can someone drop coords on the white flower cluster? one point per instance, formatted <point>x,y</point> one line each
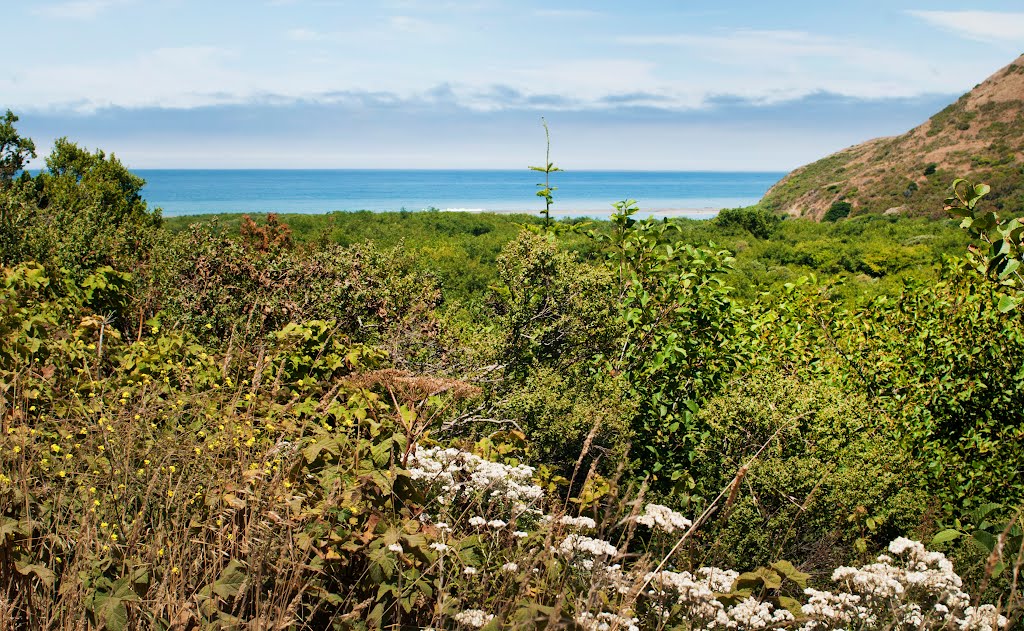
<point>755,614</point>
<point>695,596</point>
<point>918,590</point>
<point>718,579</point>
<point>461,474</point>
<point>842,608</point>
<point>605,621</point>
<point>663,518</point>
<point>910,588</point>
<point>583,523</point>
<point>585,550</point>
<point>983,618</point>
<point>474,618</point>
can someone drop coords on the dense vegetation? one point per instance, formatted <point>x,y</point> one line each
<point>457,421</point>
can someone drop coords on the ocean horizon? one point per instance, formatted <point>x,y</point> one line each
<point>698,194</point>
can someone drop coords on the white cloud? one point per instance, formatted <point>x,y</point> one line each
<point>165,77</point>
<point>406,25</point>
<point>304,35</point>
<point>779,65</point>
<point>566,13</point>
<point>78,9</point>
<point>986,26</point>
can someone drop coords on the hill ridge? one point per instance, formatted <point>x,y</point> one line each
<point>980,136</point>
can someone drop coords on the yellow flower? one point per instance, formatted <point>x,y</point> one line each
<point>170,493</point>
<point>55,448</point>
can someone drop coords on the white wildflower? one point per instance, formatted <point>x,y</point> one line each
<point>440,547</point>
<point>477,521</point>
<point>664,518</point>
<point>577,522</point>
<point>984,618</point>
<point>473,618</point>
<point>460,474</point>
<point>469,570</point>
<point>396,547</point>
<point>496,524</point>
<point>511,566</point>
<point>605,621</point>
<point>754,614</point>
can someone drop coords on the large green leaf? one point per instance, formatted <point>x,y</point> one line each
<point>946,535</point>
<point>230,580</point>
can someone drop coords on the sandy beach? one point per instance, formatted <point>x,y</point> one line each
<point>657,213</point>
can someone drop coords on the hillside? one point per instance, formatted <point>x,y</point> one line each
<point>980,137</point>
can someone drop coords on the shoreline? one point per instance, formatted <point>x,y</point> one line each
<point>706,212</point>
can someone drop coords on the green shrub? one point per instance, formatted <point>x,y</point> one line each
<point>825,478</point>
<point>760,222</point>
<point>837,211</point>
<point>91,212</point>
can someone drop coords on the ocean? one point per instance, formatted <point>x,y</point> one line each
<point>579,193</point>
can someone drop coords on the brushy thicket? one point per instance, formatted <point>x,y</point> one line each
<point>216,429</point>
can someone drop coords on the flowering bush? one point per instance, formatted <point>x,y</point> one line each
<point>604,588</point>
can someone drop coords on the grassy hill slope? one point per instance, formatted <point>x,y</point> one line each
<point>980,137</point>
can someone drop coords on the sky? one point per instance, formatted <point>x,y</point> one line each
<point>642,85</point>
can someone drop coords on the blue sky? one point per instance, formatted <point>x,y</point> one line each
<point>684,85</point>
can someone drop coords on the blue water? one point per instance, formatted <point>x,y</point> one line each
<point>579,193</point>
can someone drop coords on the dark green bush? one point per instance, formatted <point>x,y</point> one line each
<point>830,478</point>
<point>760,222</point>
<point>837,211</point>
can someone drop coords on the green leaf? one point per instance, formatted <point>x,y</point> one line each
<point>230,580</point>
<point>760,576</point>
<point>986,539</point>
<point>112,612</point>
<point>792,605</point>
<point>786,569</point>
<point>1008,304</point>
<point>1009,268</point>
<point>41,572</point>
<point>946,535</point>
